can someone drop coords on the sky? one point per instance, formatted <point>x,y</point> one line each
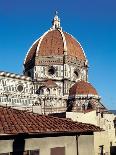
<point>91,22</point>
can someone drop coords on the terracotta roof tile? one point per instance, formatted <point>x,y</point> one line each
<point>13,121</point>
<point>32,51</point>
<point>50,83</point>
<point>52,44</point>
<point>82,88</point>
<point>73,47</point>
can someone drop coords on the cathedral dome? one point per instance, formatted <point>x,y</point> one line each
<point>82,88</point>
<point>55,42</point>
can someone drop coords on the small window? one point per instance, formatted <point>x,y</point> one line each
<point>83,107</point>
<point>34,152</point>
<point>58,151</point>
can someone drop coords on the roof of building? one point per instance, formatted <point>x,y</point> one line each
<point>82,88</point>
<point>14,75</point>
<point>55,42</point>
<point>50,83</point>
<point>13,122</point>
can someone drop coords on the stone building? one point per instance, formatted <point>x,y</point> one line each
<point>54,64</point>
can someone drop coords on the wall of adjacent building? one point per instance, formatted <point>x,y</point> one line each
<point>89,117</point>
<point>45,144</point>
<point>105,121</point>
<point>86,145</point>
<point>101,138</point>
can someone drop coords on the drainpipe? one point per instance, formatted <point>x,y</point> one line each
<point>77,144</point>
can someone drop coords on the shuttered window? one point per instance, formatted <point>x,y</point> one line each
<point>58,151</point>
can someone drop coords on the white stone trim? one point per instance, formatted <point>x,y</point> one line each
<point>64,40</point>
<point>85,96</point>
<point>17,76</point>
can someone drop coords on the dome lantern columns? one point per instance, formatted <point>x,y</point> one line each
<point>56,21</point>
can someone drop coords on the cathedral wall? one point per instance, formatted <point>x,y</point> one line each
<point>42,72</point>
<point>16,91</point>
<point>30,73</point>
<point>52,105</point>
<point>66,73</point>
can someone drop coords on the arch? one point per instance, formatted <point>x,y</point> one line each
<point>83,107</point>
<point>40,91</point>
<point>48,91</point>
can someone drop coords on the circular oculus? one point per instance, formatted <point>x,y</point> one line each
<point>51,70</point>
<point>20,88</point>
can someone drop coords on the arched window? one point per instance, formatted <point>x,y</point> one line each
<point>83,107</point>
<point>41,92</point>
<point>48,91</point>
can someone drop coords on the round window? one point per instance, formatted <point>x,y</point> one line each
<point>20,88</point>
<point>51,70</point>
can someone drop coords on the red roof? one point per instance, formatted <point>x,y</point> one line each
<point>52,44</point>
<point>50,84</point>
<point>31,52</point>
<point>14,121</point>
<point>82,88</point>
<point>73,47</point>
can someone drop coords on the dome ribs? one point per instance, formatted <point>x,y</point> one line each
<point>73,47</point>
<point>54,43</point>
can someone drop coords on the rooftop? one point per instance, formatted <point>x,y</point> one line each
<point>82,88</point>
<point>55,42</point>
<point>13,122</point>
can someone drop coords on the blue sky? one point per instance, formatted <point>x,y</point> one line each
<point>92,22</point>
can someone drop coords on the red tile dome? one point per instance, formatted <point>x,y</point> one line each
<point>55,42</point>
<point>82,88</point>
